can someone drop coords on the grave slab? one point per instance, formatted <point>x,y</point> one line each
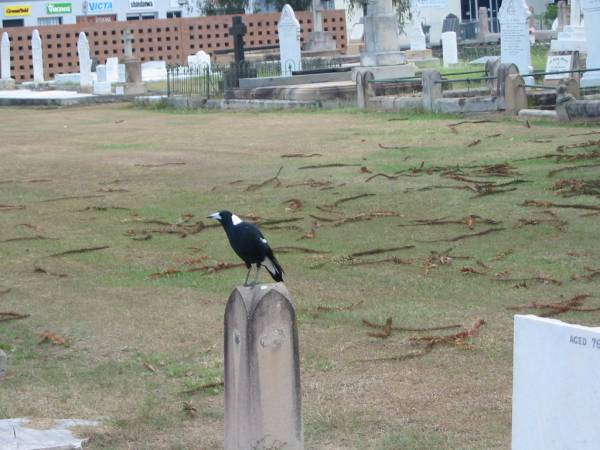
<point>26,434</point>
<point>556,388</point>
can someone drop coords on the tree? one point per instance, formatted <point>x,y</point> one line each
<point>219,7</point>
<point>297,5</point>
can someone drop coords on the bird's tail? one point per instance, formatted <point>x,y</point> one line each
<point>273,266</point>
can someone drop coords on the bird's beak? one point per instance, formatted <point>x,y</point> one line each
<point>215,216</point>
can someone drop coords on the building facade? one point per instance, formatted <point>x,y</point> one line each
<point>34,13</point>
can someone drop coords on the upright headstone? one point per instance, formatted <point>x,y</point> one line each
<point>571,37</point>
<point>238,30</point>
<point>122,74</point>
<point>262,370</point>
<point>449,48</point>
<point>101,85</point>
<point>514,35</point>
<point>591,14</point>
<point>37,57</point>
<point>288,30</point>
<point>85,63</point>
<point>556,387</point>
<point>6,82</point>
<point>112,69</point>
<point>451,23</point>
<point>415,30</point>
<point>319,42</point>
<point>200,60</point>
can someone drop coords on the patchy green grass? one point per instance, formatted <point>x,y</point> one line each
<point>142,344</point>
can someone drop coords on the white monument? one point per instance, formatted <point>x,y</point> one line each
<point>102,86</point>
<point>449,48</point>
<point>86,81</point>
<point>591,14</point>
<point>38,57</point>
<point>199,60</point>
<point>572,37</point>
<point>415,30</point>
<point>6,82</point>
<point>112,69</point>
<point>556,387</point>
<point>514,35</point>
<point>288,30</point>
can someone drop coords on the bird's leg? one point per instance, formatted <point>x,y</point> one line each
<point>248,275</point>
<point>256,277</point>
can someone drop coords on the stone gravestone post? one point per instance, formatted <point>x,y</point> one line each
<point>262,370</point>
<point>449,48</point>
<point>575,17</point>
<point>112,69</point>
<point>561,15</point>
<point>591,14</point>
<point>85,63</point>
<point>288,30</point>
<point>3,364</point>
<point>37,57</point>
<point>6,82</point>
<point>556,388</point>
<point>133,68</point>
<point>415,30</point>
<point>514,35</point>
<point>484,24</point>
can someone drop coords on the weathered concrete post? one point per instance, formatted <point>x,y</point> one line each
<point>3,364</point>
<point>430,89</point>
<point>262,370</point>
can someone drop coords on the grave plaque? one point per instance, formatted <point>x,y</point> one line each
<point>556,387</point>
<point>559,63</point>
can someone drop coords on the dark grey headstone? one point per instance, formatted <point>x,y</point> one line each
<point>451,23</point>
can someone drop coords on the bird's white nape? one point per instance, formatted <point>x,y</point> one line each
<point>215,216</point>
<point>263,240</point>
<point>235,219</point>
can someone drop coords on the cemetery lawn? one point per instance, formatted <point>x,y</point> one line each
<point>134,338</point>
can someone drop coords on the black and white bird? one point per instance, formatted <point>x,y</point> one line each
<point>249,244</point>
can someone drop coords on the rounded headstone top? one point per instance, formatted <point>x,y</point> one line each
<point>288,17</point>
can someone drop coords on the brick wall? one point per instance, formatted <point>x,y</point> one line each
<point>170,40</point>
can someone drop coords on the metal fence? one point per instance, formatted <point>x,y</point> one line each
<point>213,81</point>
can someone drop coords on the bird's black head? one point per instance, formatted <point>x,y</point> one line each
<point>226,218</point>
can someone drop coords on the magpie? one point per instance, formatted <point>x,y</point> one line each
<point>249,244</point>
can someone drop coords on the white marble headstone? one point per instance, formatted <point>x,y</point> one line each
<point>514,35</point>
<point>85,62</point>
<point>575,13</point>
<point>591,14</point>
<point>449,48</point>
<point>154,71</point>
<point>101,72</point>
<point>289,42</point>
<point>112,69</point>
<point>199,60</point>
<point>122,74</point>
<point>5,57</point>
<point>415,29</point>
<point>556,385</point>
<point>37,57</point>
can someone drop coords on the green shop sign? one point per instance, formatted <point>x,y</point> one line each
<point>59,8</point>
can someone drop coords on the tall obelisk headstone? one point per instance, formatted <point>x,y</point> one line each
<point>37,56</point>
<point>591,14</point>
<point>262,370</point>
<point>6,82</point>
<point>86,81</point>
<point>288,30</point>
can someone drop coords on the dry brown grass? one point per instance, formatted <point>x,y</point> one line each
<point>120,322</point>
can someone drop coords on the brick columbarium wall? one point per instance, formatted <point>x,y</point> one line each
<point>170,40</point>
